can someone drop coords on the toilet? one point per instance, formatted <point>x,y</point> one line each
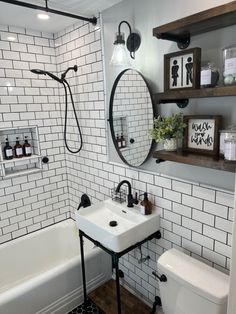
<point>192,287</point>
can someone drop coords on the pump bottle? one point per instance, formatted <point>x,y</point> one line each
<point>18,149</point>
<point>8,151</point>
<point>27,149</point>
<point>145,205</point>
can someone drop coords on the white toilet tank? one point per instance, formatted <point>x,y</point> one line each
<point>192,287</point>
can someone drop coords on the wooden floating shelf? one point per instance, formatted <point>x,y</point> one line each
<point>180,31</point>
<point>196,160</point>
<point>175,95</point>
<point>202,22</point>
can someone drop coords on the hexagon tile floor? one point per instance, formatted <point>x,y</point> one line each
<point>91,309</point>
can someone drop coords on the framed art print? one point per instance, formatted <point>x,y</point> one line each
<point>202,134</point>
<point>182,69</point>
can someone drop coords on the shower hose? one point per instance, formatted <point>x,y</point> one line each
<point>65,83</point>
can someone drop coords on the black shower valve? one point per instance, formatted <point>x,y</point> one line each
<point>158,235</point>
<point>45,159</point>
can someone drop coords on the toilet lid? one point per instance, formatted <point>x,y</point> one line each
<point>201,278</point>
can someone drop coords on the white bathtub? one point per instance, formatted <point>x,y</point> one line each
<point>41,272</point>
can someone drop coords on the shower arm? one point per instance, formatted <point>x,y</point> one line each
<point>63,75</point>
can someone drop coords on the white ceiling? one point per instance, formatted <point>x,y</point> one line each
<point>24,17</point>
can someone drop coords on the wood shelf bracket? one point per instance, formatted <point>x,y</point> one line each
<point>181,103</point>
<point>182,41</point>
<point>181,30</point>
<point>159,160</point>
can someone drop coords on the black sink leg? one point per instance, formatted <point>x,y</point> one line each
<point>116,266</point>
<point>156,303</point>
<point>83,269</point>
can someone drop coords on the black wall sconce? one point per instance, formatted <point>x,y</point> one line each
<point>120,56</point>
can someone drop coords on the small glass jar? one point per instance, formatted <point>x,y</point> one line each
<point>230,149</point>
<point>229,70</point>
<point>226,135</point>
<point>209,75</point>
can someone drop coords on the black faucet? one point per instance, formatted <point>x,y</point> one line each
<point>131,200</point>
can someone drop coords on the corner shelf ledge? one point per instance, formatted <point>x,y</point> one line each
<point>19,173</point>
<point>20,160</point>
<point>196,160</point>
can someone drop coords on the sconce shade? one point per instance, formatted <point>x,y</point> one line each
<point>120,56</point>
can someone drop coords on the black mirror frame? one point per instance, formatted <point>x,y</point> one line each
<point>110,120</point>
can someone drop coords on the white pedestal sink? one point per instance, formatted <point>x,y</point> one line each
<point>132,226</point>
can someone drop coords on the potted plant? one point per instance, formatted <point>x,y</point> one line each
<point>167,130</point>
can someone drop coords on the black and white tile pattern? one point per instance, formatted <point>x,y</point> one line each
<point>91,309</point>
<point>195,218</point>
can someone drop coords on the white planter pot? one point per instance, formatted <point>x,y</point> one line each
<point>170,144</point>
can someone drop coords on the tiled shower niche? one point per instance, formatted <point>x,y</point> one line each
<point>121,128</point>
<point>24,165</point>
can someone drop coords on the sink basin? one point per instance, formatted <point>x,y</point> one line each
<point>130,226</point>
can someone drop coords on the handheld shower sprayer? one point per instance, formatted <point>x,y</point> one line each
<point>65,84</point>
<point>39,72</point>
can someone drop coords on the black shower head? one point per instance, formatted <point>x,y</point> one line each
<point>39,72</point>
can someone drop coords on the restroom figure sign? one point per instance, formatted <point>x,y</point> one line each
<point>189,71</point>
<point>174,72</point>
<point>182,69</point>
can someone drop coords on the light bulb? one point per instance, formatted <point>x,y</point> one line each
<point>43,16</point>
<point>120,56</point>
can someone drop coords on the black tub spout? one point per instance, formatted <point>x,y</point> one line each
<point>85,201</point>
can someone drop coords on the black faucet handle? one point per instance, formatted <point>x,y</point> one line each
<point>136,201</point>
<point>130,200</point>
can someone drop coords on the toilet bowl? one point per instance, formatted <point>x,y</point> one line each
<point>192,287</point>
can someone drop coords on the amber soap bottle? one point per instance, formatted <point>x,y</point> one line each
<point>145,205</point>
<point>8,151</point>
<point>27,149</point>
<point>118,140</point>
<point>123,142</point>
<point>18,149</point>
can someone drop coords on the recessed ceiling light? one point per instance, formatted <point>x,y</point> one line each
<point>43,16</point>
<point>11,38</point>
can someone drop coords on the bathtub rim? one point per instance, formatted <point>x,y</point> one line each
<point>41,230</point>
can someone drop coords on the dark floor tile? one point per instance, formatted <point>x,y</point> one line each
<point>91,309</point>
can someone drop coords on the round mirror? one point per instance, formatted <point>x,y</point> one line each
<point>130,117</point>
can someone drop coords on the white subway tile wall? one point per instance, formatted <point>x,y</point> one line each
<point>34,201</point>
<point>194,218</point>
<point>185,207</point>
